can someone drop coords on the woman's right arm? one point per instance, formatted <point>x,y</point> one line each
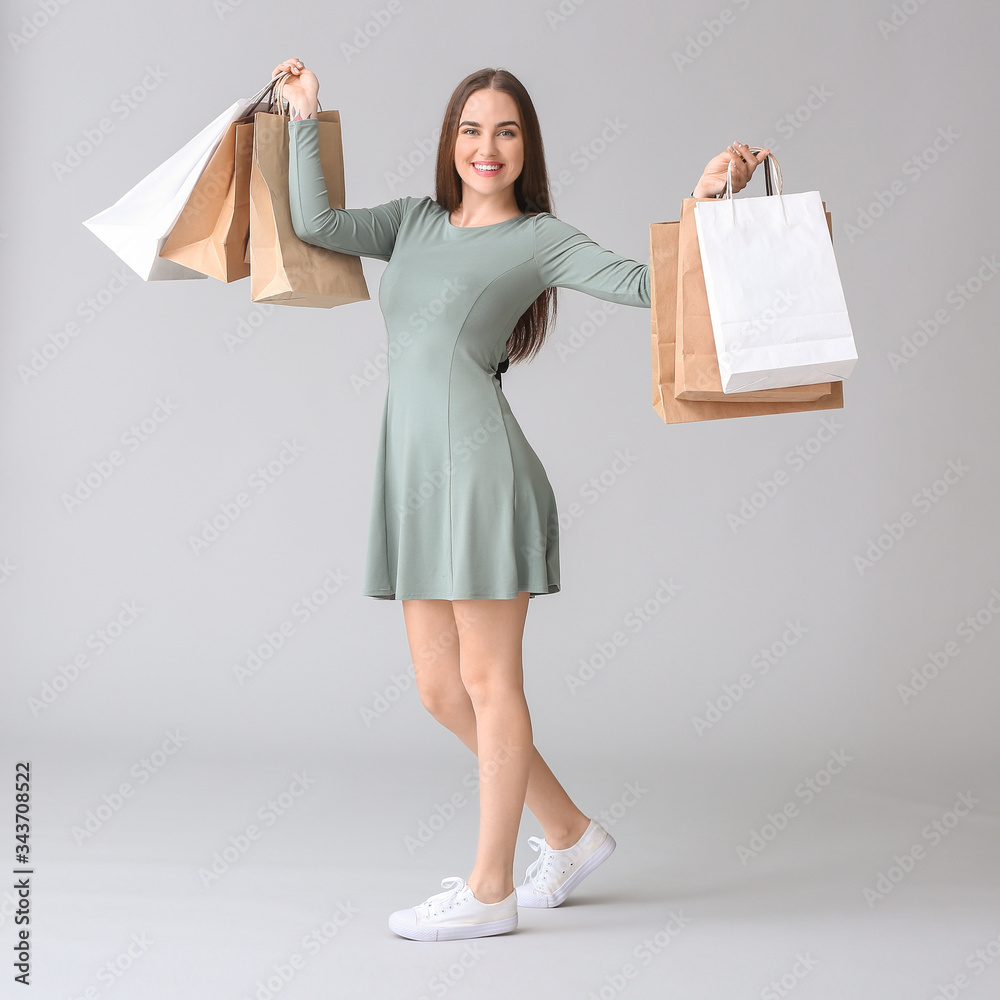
<point>364,232</point>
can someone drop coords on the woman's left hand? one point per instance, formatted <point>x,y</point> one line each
<point>713,180</point>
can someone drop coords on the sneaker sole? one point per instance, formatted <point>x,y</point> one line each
<point>559,896</point>
<point>453,933</point>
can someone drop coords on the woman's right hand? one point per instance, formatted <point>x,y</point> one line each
<point>300,88</point>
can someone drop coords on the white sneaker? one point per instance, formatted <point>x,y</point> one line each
<point>553,875</point>
<point>455,913</point>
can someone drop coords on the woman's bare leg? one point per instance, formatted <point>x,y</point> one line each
<point>489,636</point>
<point>433,636</point>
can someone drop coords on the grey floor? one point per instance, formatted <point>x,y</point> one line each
<point>301,911</point>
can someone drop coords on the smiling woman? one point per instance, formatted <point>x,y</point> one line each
<point>464,527</point>
<point>462,508</point>
<point>492,153</point>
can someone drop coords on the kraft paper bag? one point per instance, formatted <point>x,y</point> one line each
<point>663,255</point>
<point>774,292</point>
<point>284,269</point>
<point>137,225</point>
<point>213,230</point>
<point>696,364</point>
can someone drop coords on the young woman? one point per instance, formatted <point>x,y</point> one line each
<point>464,529</point>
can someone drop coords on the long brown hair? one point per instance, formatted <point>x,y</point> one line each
<point>531,190</point>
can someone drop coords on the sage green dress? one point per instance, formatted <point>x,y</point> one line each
<point>461,506</point>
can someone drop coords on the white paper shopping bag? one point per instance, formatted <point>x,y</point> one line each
<point>137,224</point>
<point>774,293</point>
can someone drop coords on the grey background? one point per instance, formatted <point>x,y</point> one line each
<point>680,802</point>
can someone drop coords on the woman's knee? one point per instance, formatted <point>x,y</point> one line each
<point>485,686</point>
<point>433,641</point>
<point>445,699</point>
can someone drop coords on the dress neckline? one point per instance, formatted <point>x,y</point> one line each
<point>489,225</point>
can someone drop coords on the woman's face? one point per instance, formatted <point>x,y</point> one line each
<point>489,132</point>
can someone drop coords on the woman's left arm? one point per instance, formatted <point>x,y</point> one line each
<point>566,257</point>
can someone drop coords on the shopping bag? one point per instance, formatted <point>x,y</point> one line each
<point>212,231</point>
<point>663,247</point>
<point>136,226</point>
<point>774,293</point>
<point>696,364</point>
<point>284,269</point>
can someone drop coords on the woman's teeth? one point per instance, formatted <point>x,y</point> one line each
<point>483,169</point>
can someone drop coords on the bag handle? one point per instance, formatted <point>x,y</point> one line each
<point>280,98</point>
<point>272,101</point>
<point>261,97</point>
<point>772,177</point>
<point>772,174</point>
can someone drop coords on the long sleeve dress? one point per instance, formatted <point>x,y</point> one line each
<point>461,506</point>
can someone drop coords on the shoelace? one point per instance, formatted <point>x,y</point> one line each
<point>442,901</point>
<point>538,867</point>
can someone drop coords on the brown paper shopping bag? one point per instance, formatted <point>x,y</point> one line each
<point>663,255</point>
<point>696,364</point>
<point>211,233</point>
<point>284,269</point>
